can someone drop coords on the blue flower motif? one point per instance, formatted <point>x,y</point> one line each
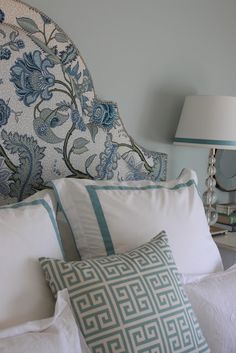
<point>54,122</point>
<point>42,129</point>
<point>4,178</point>
<point>78,120</point>
<point>31,77</point>
<point>68,55</point>
<point>20,44</point>
<point>5,112</point>
<point>104,115</point>
<point>136,170</point>
<point>74,71</point>
<point>108,160</point>
<point>2,16</point>
<point>88,79</point>
<point>5,53</point>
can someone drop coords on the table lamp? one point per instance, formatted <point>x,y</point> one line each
<point>208,121</point>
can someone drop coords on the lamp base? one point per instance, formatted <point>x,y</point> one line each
<point>209,196</point>
<point>211,215</point>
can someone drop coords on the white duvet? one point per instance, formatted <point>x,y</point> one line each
<point>214,301</point>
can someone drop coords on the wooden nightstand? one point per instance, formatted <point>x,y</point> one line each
<point>227,247</point>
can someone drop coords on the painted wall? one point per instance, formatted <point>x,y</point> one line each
<point>148,54</point>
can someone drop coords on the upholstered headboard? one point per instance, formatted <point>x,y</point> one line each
<point>52,124</point>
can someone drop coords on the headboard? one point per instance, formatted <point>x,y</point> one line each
<point>52,124</point>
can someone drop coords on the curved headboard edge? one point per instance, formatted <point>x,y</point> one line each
<point>52,124</point>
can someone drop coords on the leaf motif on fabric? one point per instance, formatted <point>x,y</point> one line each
<point>85,86</point>
<point>51,55</point>
<point>79,145</point>
<point>108,159</point>
<point>14,46</point>
<point>48,120</point>
<point>136,169</point>
<point>27,24</point>
<point>61,37</point>
<point>93,129</point>
<point>68,55</point>
<point>28,175</point>
<point>90,160</point>
<point>80,150</point>
<point>59,150</point>
<point>63,106</point>
<point>5,175</point>
<point>3,33</point>
<point>13,35</point>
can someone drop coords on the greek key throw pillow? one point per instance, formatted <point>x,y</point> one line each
<point>130,303</point>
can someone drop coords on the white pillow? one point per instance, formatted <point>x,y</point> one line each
<point>108,217</point>
<point>214,303</point>
<point>28,230</point>
<point>68,242</point>
<point>58,334</point>
<point>47,195</point>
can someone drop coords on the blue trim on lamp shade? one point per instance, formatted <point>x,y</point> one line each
<point>205,141</point>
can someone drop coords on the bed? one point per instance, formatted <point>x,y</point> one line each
<point>98,251</point>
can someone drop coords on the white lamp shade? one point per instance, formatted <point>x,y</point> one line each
<point>208,121</point>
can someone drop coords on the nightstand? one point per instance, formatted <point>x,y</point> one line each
<point>227,247</point>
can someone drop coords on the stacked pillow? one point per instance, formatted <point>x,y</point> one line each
<point>28,230</point>
<point>129,302</point>
<point>132,302</point>
<point>109,217</point>
<point>68,243</point>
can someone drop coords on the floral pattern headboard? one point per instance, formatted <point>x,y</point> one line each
<point>52,124</point>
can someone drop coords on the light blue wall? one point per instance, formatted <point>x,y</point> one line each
<point>148,54</point>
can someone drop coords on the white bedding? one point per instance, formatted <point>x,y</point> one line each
<point>58,334</point>
<point>28,230</point>
<point>212,298</point>
<point>108,217</point>
<point>214,301</point>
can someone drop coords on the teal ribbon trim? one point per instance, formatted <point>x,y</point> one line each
<point>68,222</point>
<point>104,230</point>
<point>205,141</point>
<point>101,219</point>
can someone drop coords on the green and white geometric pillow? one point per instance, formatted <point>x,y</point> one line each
<point>130,303</point>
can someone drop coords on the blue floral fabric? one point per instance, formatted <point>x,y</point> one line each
<point>4,178</point>
<point>2,16</point>
<point>104,115</point>
<point>51,122</point>
<point>31,77</point>
<point>5,112</point>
